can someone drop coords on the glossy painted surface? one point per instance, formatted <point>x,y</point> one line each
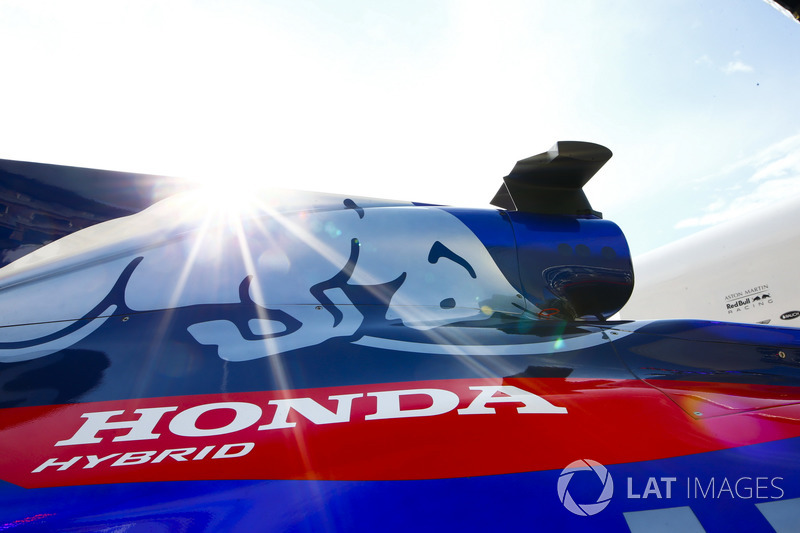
<point>756,252</point>
<point>362,366</point>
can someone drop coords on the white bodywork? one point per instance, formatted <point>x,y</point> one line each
<point>744,270</point>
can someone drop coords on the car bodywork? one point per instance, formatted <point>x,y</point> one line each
<point>299,361</point>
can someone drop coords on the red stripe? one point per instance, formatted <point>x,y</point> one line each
<point>612,421</point>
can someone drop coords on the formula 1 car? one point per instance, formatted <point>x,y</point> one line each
<point>295,361</point>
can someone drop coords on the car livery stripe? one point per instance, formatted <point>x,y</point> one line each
<point>394,431</point>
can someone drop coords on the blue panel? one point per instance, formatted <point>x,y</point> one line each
<point>493,228</point>
<point>693,350</point>
<point>580,266</point>
<point>705,483</point>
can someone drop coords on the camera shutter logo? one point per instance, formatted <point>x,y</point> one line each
<point>585,509</point>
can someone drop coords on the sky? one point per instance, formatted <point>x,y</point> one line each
<point>431,101</point>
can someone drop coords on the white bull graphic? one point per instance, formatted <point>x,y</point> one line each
<point>303,276</point>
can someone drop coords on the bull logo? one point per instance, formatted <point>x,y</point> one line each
<point>267,284</point>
